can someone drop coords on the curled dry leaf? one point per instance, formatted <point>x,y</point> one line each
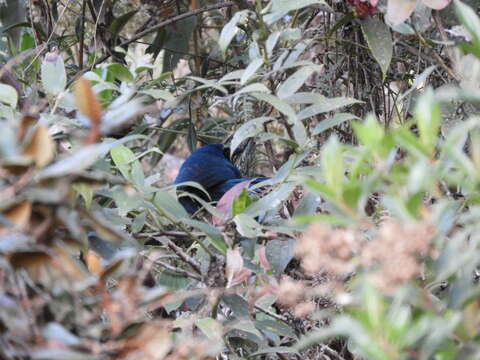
<point>27,259</point>
<point>41,147</point>
<point>89,106</point>
<point>262,258</point>
<point>94,262</point>
<point>234,270</point>
<point>26,122</point>
<point>19,215</point>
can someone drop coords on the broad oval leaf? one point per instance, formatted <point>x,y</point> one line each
<point>8,95</point>
<point>296,80</point>
<point>230,29</point>
<point>120,72</point>
<point>251,70</point>
<point>379,41</point>
<point>336,120</point>
<point>270,201</point>
<point>248,130</point>
<point>82,159</point>
<point>279,254</point>
<point>326,106</point>
<point>289,5</point>
<point>53,74</point>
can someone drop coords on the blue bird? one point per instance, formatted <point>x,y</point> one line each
<point>210,167</point>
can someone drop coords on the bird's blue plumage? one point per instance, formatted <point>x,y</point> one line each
<point>210,167</point>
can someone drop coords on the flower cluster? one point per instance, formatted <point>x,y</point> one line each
<point>363,8</point>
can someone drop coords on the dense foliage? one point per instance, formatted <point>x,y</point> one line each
<point>363,113</point>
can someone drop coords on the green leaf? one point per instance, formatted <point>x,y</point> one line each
<point>8,95</point>
<point>241,202</point>
<point>247,226</point>
<point>167,204</point>
<point>237,304</point>
<point>158,94</point>
<point>270,201</point>
<point>86,192</point>
<point>370,133</point>
<point>249,129</point>
<point>333,166</point>
<point>214,235</point>
<point>325,106</point>
<point>255,87</point>
<point>379,40</point>
<point>276,349</point>
<point>82,159</point>
<point>321,188</point>
<point>119,23</point>
<point>275,327</point>
<point>247,326</point>
<point>251,69</point>
<point>279,254</point>
<point>210,327</point>
<point>289,5</point>
<point>429,117</point>
<point>298,128</point>
<point>123,157</point>
<point>295,81</point>
<point>231,29</point>
<point>173,280</point>
<point>120,72</point>
<point>27,41</point>
<point>53,74</point>
<point>469,19</point>
<point>277,103</point>
<point>419,80</point>
<point>335,120</point>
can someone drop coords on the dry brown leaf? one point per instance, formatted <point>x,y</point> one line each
<point>153,341</point>
<point>89,106</point>
<point>65,262</point>
<point>94,262</point>
<point>19,215</point>
<point>26,259</point>
<point>41,147</point>
<point>26,122</point>
<point>234,270</point>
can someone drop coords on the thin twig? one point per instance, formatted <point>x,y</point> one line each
<point>185,257</point>
<point>82,35</point>
<point>436,56</point>
<point>272,314</point>
<point>178,271</point>
<point>165,233</point>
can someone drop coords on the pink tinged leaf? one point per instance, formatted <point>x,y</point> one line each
<point>224,205</point>
<point>436,4</point>
<point>262,258</point>
<point>399,10</point>
<point>241,276</point>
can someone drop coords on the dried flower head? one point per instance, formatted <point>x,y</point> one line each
<point>396,252</point>
<point>324,249</point>
<point>289,291</point>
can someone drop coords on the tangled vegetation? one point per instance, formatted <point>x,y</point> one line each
<point>365,115</point>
